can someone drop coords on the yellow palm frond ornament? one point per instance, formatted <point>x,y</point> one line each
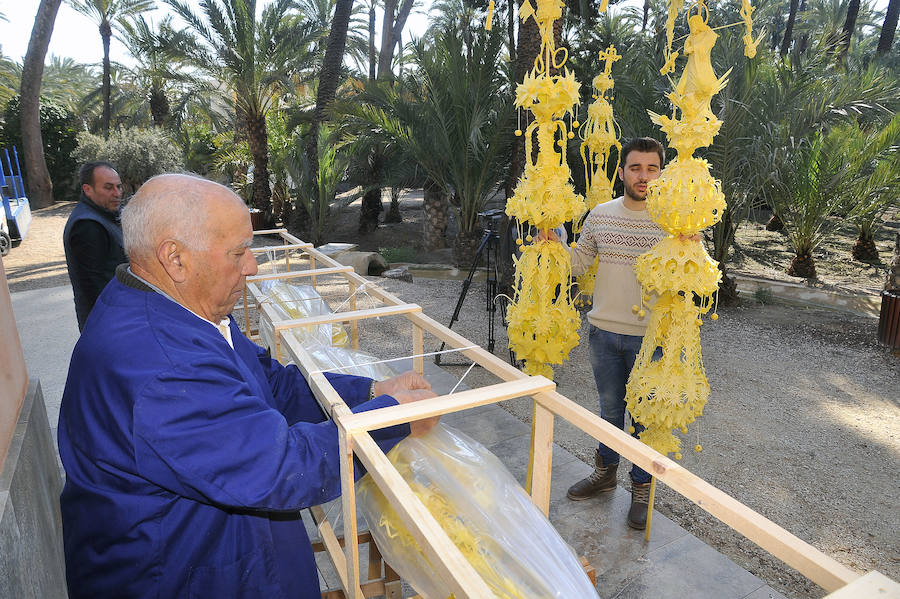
<point>543,322</point>
<point>599,135</point>
<point>670,392</point>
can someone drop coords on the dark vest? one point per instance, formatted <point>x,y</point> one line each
<point>87,210</point>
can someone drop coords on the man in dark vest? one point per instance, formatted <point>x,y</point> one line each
<point>93,236</point>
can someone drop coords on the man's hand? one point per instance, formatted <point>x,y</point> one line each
<point>417,428</point>
<point>695,237</point>
<point>407,388</point>
<point>407,381</point>
<point>548,235</point>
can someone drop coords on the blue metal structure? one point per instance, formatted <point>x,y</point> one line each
<point>16,217</point>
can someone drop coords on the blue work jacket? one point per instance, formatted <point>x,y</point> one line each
<point>187,461</point>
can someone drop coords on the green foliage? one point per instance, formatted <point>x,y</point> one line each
<point>315,191</point>
<point>873,163</point>
<point>400,254</point>
<point>807,182</point>
<point>452,116</point>
<point>137,154</point>
<point>58,133</point>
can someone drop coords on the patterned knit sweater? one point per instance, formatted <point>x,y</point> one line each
<point>618,236</point>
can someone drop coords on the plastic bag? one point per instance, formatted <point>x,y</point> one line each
<point>348,361</point>
<point>299,301</point>
<point>484,511</point>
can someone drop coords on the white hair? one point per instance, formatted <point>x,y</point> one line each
<point>166,210</point>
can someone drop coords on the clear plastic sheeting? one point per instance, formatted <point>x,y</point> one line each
<point>299,301</point>
<point>347,361</point>
<point>484,511</point>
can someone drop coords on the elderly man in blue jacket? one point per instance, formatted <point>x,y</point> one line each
<point>188,451</point>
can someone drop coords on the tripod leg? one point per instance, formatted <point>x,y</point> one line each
<point>465,289</point>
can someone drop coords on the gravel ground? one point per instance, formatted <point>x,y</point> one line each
<point>803,423</point>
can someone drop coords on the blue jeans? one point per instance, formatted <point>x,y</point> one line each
<point>612,358</point>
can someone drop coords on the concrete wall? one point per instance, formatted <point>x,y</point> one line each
<point>31,553</point>
<point>13,377</point>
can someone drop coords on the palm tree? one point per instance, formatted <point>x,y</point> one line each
<point>37,176</point>
<point>452,114</point>
<point>254,59</point>
<point>105,13</point>
<point>889,27</point>
<point>873,184</point>
<point>157,52</point>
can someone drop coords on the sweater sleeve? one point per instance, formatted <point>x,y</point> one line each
<point>200,432</point>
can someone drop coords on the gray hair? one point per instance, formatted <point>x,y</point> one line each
<point>165,211</point>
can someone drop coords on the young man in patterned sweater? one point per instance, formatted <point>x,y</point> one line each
<point>618,232</point>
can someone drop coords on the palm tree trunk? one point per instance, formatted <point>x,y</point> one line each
<point>258,139</point>
<point>511,29</point>
<point>372,60</point>
<point>646,15</point>
<point>889,28</point>
<point>159,106</point>
<point>435,219</point>
<point>849,27</point>
<point>371,202</point>
<point>37,177</point>
<point>789,28</point>
<point>328,78</point>
<point>106,34</point>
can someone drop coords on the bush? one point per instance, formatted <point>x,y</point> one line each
<point>137,154</point>
<point>58,133</point>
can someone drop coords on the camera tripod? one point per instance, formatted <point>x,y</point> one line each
<point>489,249</point>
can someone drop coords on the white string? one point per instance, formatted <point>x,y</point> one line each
<point>459,382</point>
<point>357,290</point>
<point>425,355</point>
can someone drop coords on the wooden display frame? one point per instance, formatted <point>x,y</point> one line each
<point>354,438</point>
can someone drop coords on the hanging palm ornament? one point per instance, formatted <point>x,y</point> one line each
<point>599,134</point>
<point>543,322</point>
<point>670,392</point>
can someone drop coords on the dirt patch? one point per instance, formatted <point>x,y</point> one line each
<point>803,424</point>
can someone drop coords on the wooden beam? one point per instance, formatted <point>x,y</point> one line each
<point>348,505</point>
<point>815,565</point>
<point>292,246</point>
<point>873,585</point>
<point>541,459</point>
<point>444,404</point>
<point>271,232</point>
<point>463,581</point>
<point>296,274</point>
<point>346,316</point>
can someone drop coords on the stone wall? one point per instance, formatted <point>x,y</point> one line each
<point>31,553</point>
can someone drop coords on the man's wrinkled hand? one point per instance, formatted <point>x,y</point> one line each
<point>417,428</point>
<point>407,381</point>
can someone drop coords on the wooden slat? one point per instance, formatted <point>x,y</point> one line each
<point>873,585</point>
<point>439,550</point>
<point>346,316</point>
<point>348,504</point>
<point>271,232</point>
<point>815,565</point>
<point>292,246</point>
<point>542,462</point>
<point>444,404</point>
<point>296,274</point>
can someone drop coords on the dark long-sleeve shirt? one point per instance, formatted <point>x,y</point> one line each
<point>93,243</point>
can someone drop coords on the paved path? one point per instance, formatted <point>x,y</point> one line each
<point>674,564</point>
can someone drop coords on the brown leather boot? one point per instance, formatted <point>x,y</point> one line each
<point>640,501</point>
<point>602,479</point>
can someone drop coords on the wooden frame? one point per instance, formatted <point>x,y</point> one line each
<point>353,430</point>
